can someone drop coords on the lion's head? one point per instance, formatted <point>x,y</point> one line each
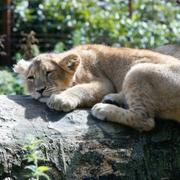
<point>48,73</point>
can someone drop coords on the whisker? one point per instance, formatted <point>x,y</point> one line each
<point>50,90</point>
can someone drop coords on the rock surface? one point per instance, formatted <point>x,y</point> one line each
<point>80,147</point>
<point>169,49</point>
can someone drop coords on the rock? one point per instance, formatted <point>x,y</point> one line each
<point>78,146</point>
<point>169,49</point>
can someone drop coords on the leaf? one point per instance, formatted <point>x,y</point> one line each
<point>42,168</point>
<point>44,175</point>
<point>31,167</point>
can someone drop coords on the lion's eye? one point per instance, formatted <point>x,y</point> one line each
<point>30,77</point>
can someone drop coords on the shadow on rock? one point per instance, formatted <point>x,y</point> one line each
<point>34,109</point>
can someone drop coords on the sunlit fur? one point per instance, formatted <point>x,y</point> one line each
<point>147,82</point>
<point>46,72</point>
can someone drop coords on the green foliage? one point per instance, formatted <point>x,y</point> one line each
<point>10,84</point>
<point>33,156</point>
<point>77,22</point>
<point>59,25</point>
<point>59,47</point>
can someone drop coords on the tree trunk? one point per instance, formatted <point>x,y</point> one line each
<point>78,146</point>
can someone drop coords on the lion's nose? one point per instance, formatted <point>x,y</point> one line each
<point>40,91</point>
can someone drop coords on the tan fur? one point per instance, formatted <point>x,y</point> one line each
<point>146,81</point>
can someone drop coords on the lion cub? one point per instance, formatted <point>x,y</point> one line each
<point>146,83</point>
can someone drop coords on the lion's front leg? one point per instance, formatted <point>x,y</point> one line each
<point>63,102</point>
<point>82,95</point>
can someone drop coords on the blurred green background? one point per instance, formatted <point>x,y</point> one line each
<point>57,25</point>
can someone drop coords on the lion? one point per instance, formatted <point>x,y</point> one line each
<point>122,85</point>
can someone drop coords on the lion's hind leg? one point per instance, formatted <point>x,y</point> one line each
<point>139,95</point>
<point>135,119</point>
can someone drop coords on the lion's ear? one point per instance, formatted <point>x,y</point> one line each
<point>70,62</point>
<point>21,67</point>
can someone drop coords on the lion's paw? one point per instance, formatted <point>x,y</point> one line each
<point>117,99</point>
<point>110,98</point>
<point>100,111</point>
<point>61,102</point>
